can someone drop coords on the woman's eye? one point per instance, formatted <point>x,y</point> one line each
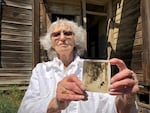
<point>56,34</point>
<point>68,33</point>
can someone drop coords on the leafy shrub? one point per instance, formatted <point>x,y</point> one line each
<point>10,100</point>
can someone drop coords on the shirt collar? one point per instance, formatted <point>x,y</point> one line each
<point>56,62</point>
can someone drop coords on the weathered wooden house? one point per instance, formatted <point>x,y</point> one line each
<point>115,28</point>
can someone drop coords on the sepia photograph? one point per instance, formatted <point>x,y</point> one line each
<point>49,49</point>
<point>96,75</point>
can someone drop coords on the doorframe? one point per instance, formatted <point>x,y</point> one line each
<point>35,32</point>
<point>145,9</point>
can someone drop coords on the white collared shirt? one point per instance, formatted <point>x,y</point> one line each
<point>43,84</point>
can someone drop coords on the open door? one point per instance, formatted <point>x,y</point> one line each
<point>97,39</point>
<point>96,31</point>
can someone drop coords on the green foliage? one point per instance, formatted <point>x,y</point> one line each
<point>10,100</point>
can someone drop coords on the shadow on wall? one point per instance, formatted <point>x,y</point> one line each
<point>1,13</point>
<point>127,29</point>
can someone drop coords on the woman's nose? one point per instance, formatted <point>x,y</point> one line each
<point>62,36</point>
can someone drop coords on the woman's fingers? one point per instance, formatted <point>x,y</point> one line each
<point>73,84</point>
<point>122,84</point>
<point>125,81</point>
<point>70,88</point>
<point>126,73</point>
<point>119,63</point>
<point>75,79</point>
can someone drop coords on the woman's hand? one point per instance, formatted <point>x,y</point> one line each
<point>125,81</point>
<point>69,89</point>
<point>124,84</point>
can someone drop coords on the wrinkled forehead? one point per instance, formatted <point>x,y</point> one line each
<point>61,27</point>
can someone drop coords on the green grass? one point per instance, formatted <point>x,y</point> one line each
<point>10,100</point>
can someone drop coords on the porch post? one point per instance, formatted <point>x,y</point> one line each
<point>36,32</point>
<point>145,13</point>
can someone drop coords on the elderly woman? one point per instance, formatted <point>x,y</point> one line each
<point>56,86</point>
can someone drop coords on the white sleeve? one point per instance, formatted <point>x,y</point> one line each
<point>32,101</point>
<point>111,104</point>
<point>108,103</point>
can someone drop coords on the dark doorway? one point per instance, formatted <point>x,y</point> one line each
<point>96,37</point>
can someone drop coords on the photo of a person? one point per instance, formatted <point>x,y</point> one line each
<point>96,75</point>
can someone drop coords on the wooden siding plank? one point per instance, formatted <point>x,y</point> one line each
<point>17,10</point>
<point>69,2</point>
<point>96,13</point>
<point>21,1</point>
<point>16,21</point>
<point>15,65</point>
<point>12,71</point>
<point>137,49</point>
<point>16,32</point>
<point>17,48</point>
<point>16,26</point>
<point>19,54</point>
<point>127,4</point>
<point>127,27</point>
<point>96,2</point>
<point>64,9</point>
<point>17,13</point>
<point>27,4</point>
<point>15,60</point>
<point>16,38</point>
<point>138,41</point>
<point>5,88</point>
<point>13,81</point>
<point>16,44</point>
<point>126,19</point>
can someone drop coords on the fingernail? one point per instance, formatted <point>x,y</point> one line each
<point>82,87</point>
<point>111,86</point>
<point>111,81</point>
<point>81,97</point>
<point>111,90</point>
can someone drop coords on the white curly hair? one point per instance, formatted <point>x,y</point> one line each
<point>79,34</point>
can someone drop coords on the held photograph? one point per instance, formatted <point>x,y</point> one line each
<point>96,75</point>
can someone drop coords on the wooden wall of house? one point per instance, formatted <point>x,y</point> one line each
<point>126,38</point>
<point>15,43</point>
<point>144,93</point>
<point>127,42</point>
<point>65,7</point>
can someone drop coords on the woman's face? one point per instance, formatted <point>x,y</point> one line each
<point>63,39</point>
